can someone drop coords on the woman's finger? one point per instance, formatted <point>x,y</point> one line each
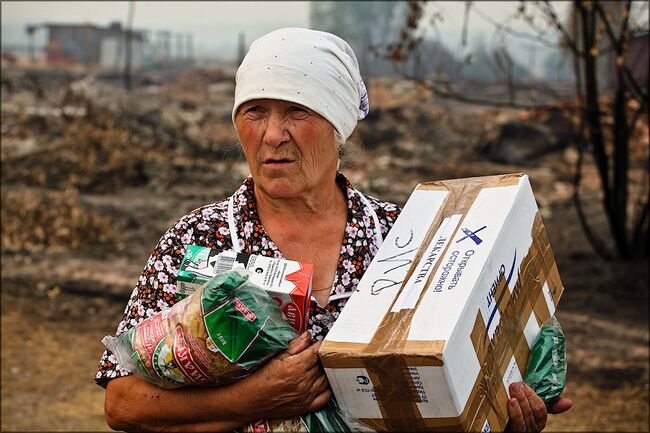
<point>319,385</point>
<point>517,390</point>
<point>320,400</point>
<point>308,356</point>
<point>516,423</point>
<point>537,406</point>
<point>297,345</point>
<point>562,404</point>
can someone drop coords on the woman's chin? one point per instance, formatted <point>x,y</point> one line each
<point>280,187</point>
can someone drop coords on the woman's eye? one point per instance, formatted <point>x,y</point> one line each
<point>254,111</point>
<point>298,112</point>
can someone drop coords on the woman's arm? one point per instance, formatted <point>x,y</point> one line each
<point>290,384</point>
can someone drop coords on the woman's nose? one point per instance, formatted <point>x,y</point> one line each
<point>276,132</point>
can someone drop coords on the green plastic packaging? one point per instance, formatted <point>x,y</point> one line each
<point>220,333</point>
<point>546,369</point>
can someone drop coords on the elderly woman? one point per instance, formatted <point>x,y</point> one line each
<point>298,97</point>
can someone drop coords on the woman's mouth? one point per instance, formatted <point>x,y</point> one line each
<point>277,162</point>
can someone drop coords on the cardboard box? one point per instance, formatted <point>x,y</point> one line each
<point>287,281</point>
<point>447,311</point>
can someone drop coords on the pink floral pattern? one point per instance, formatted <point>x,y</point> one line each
<point>208,226</point>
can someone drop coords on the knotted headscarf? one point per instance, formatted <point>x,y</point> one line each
<point>315,69</point>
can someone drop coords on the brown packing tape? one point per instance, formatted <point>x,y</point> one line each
<point>432,348</point>
<point>533,274</point>
<point>488,398</point>
<point>341,361</point>
<point>473,182</point>
<point>388,369</point>
<point>391,335</point>
<point>351,361</point>
<point>541,310</point>
<point>555,284</point>
<point>329,347</point>
<point>493,354</point>
<point>376,424</point>
<point>394,390</point>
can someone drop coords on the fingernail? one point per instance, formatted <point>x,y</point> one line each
<point>519,387</point>
<point>305,335</point>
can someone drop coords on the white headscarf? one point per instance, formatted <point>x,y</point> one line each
<point>316,69</point>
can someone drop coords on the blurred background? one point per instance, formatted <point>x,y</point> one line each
<point>116,121</point>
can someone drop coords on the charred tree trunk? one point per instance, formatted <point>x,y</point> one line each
<point>621,164</point>
<point>593,121</point>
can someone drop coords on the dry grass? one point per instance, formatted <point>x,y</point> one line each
<point>93,154</point>
<point>55,219</point>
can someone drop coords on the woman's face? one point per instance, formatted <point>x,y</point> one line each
<point>290,149</point>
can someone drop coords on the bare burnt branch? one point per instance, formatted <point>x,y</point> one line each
<point>620,44</point>
<point>500,27</point>
<point>443,89</point>
<point>554,19</point>
<point>407,43</point>
<point>592,102</point>
<point>597,243</point>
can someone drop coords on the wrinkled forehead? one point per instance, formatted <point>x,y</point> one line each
<point>275,104</point>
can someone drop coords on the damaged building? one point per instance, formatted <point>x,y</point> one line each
<point>92,45</point>
<point>105,47</point>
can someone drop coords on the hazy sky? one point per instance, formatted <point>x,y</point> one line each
<point>216,25</point>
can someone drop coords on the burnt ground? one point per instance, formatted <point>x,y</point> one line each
<point>59,301</point>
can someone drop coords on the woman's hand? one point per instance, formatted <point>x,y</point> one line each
<point>527,410</point>
<point>290,384</point>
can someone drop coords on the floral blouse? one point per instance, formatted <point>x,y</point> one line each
<point>208,226</point>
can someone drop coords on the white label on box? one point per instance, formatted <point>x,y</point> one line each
<point>355,393</point>
<point>549,299</point>
<point>531,330</point>
<point>409,296</point>
<point>269,272</point>
<point>512,374</point>
<point>461,265</point>
<point>384,276</point>
<point>433,389</point>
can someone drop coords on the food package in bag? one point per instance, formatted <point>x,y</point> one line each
<point>546,369</point>
<point>220,333</point>
<point>328,419</point>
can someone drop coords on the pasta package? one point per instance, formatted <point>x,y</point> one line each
<point>225,330</point>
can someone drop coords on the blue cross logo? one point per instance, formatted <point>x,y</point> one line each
<point>471,234</point>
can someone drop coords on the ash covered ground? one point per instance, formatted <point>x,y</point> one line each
<point>92,176</point>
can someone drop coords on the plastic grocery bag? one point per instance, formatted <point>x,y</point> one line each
<point>546,370</point>
<point>218,334</point>
<point>328,419</point>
